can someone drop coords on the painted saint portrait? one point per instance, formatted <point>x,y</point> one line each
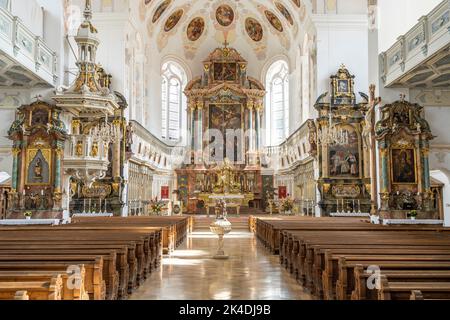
<point>274,21</point>
<point>225,71</point>
<point>343,86</point>
<point>403,166</point>
<point>160,10</point>
<point>297,3</point>
<point>344,159</point>
<point>254,29</point>
<point>284,12</point>
<point>401,116</point>
<point>195,29</point>
<point>173,20</point>
<point>225,15</point>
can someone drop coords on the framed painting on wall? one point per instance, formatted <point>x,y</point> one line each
<point>403,169</point>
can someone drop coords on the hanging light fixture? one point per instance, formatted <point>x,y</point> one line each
<point>332,134</point>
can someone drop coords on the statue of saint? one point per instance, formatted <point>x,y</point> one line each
<point>129,136</point>
<point>94,149</point>
<point>38,169</point>
<point>79,149</point>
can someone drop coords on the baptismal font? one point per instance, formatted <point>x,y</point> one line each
<point>221,226</point>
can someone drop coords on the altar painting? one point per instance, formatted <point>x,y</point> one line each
<point>225,71</point>
<point>403,166</point>
<point>226,118</point>
<point>344,159</point>
<point>39,164</point>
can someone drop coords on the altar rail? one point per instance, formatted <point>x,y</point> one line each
<point>430,35</point>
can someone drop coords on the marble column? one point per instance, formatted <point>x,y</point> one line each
<point>192,126</point>
<point>15,170</point>
<point>200,127</point>
<point>258,127</point>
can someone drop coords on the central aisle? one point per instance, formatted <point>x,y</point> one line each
<point>251,273</point>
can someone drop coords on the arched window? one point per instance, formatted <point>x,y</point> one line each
<point>172,100</point>
<point>277,103</point>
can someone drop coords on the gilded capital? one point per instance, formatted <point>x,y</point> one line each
<point>15,151</point>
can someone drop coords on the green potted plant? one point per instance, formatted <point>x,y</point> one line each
<point>28,215</point>
<point>413,214</point>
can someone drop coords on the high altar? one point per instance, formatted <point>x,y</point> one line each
<point>225,108</point>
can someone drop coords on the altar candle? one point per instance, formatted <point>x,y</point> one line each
<point>90,202</point>
<point>337,205</point>
<point>359,205</point>
<point>42,192</point>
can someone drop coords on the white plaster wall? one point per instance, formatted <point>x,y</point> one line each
<point>342,39</point>
<point>396,17</point>
<point>31,14</point>
<point>444,177</point>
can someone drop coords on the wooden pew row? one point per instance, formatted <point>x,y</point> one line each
<point>269,230</point>
<point>72,289</point>
<point>94,284</point>
<point>363,292</point>
<point>106,233</point>
<point>316,252</point>
<point>416,290</point>
<point>175,229</point>
<point>50,289</point>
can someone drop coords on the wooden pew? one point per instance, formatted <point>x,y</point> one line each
<point>70,289</point>
<point>362,292</point>
<point>36,290</point>
<point>94,283</point>
<point>404,290</point>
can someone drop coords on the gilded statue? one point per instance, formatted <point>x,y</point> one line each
<point>79,149</point>
<point>94,149</point>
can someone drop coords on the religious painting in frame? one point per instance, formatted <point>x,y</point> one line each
<point>164,192</point>
<point>38,171</point>
<point>226,119</point>
<point>282,192</point>
<point>225,71</point>
<point>344,160</point>
<point>343,87</point>
<point>173,20</point>
<point>160,10</point>
<point>195,29</point>
<point>225,15</point>
<point>254,29</point>
<point>284,11</point>
<point>403,169</point>
<point>274,21</point>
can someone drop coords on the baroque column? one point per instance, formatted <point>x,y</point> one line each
<point>116,151</point>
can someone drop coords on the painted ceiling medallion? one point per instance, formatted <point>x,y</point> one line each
<point>173,20</point>
<point>254,29</point>
<point>297,3</point>
<point>160,10</point>
<point>284,12</point>
<point>195,29</point>
<point>274,21</point>
<point>225,15</point>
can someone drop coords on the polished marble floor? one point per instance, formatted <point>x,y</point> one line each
<point>250,273</point>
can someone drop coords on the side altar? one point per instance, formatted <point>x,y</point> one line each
<point>225,110</point>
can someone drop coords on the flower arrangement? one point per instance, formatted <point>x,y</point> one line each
<point>413,214</point>
<point>157,206</point>
<point>28,214</point>
<point>287,204</point>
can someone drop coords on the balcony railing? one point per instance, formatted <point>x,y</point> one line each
<point>27,49</point>
<point>149,149</point>
<point>292,152</point>
<point>430,35</point>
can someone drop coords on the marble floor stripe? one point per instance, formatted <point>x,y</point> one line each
<point>250,273</point>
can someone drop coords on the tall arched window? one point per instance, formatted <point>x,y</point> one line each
<point>277,103</point>
<point>172,100</point>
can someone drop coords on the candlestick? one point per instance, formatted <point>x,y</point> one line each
<point>90,203</point>
<point>337,206</point>
<point>353,206</point>
<point>106,210</point>
<point>359,206</point>
<point>100,205</point>
<point>84,206</point>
